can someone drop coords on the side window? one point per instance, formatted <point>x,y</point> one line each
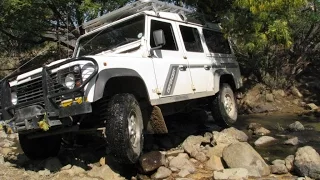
<point>168,33</point>
<point>191,39</point>
<point>216,42</point>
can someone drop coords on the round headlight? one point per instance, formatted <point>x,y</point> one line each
<point>69,81</point>
<point>14,98</point>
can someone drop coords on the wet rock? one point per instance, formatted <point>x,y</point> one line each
<point>162,173</point>
<point>151,161</point>
<point>278,169</point>
<point>289,162</point>
<point>74,170</point>
<point>214,163</point>
<point>307,162</point>
<point>45,172</point>
<point>264,140</point>
<point>296,126</point>
<point>6,143</point>
<point>269,97</point>
<point>200,156</point>
<point>53,164</point>
<point>292,141</point>
<point>312,106</point>
<point>235,173</point>
<point>104,172</point>
<point>237,134</point>
<point>296,92</point>
<point>257,129</point>
<point>180,162</point>
<point>216,150</point>
<point>192,144</point>
<point>242,155</point>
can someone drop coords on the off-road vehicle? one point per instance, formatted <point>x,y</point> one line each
<point>132,67</point>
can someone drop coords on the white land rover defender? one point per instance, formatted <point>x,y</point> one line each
<point>132,67</point>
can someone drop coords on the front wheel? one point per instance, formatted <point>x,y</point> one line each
<point>124,128</point>
<point>224,108</point>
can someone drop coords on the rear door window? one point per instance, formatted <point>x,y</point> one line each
<point>216,42</point>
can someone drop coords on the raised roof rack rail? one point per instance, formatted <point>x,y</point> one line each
<point>130,9</point>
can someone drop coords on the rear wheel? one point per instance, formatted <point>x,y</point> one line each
<point>40,148</point>
<point>224,108</point>
<point>124,128</point>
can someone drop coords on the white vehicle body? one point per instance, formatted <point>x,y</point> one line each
<point>192,63</point>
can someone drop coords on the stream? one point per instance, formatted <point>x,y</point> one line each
<point>310,136</point>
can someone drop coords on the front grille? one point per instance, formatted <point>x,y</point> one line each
<point>54,86</point>
<point>30,91</point>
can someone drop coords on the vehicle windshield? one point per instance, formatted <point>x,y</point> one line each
<point>112,37</point>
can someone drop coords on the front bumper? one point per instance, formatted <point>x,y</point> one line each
<point>44,111</point>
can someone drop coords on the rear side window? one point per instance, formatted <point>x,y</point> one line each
<point>216,42</point>
<point>168,33</point>
<point>191,39</point>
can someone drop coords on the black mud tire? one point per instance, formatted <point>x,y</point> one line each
<point>120,110</point>
<point>218,109</point>
<point>40,148</point>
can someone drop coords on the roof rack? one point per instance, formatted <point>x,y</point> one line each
<point>130,9</point>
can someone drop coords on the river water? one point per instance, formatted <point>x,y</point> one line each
<point>310,136</point>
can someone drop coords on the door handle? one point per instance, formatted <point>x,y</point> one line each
<point>182,67</point>
<point>207,67</point>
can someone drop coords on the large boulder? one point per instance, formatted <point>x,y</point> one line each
<point>257,129</point>
<point>307,162</point>
<point>242,155</point>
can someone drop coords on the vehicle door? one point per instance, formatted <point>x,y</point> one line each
<point>200,65</point>
<point>171,69</point>
<point>220,52</point>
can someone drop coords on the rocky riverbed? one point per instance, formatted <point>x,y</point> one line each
<point>274,146</point>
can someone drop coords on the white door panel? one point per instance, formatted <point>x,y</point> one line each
<point>200,65</point>
<point>171,69</point>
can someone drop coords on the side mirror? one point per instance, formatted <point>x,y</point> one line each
<point>159,39</point>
